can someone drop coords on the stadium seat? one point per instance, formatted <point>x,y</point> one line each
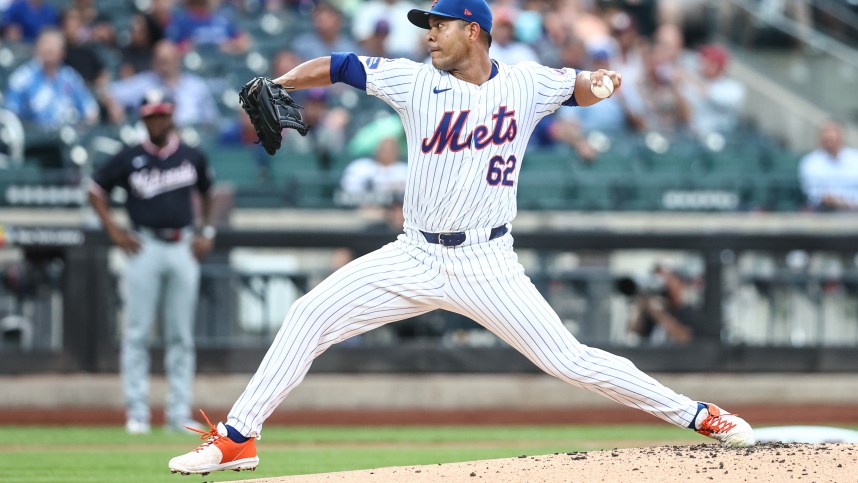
<point>605,183</point>
<point>234,164</point>
<point>779,188</point>
<point>301,175</point>
<point>545,180</point>
<point>677,157</point>
<point>733,158</point>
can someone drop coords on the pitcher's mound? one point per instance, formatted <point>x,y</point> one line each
<point>700,463</point>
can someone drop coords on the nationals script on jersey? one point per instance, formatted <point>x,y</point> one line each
<point>465,142</point>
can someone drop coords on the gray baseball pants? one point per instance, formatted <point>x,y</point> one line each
<point>161,275</point>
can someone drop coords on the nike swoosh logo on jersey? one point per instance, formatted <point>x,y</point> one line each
<point>438,91</point>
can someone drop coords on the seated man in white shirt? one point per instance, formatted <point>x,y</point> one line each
<point>829,173</point>
<point>374,181</point>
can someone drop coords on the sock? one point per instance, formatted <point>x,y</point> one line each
<point>700,407</point>
<point>234,435</point>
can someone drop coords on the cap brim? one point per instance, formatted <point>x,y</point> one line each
<point>420,17</point>
<point>155,109</point>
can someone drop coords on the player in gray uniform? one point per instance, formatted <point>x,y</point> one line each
<point>163,248</point>
<point>467,121</point>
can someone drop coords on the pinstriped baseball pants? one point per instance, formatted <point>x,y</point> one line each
<point>482,281</point>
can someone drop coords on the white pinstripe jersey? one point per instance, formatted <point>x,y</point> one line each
<point>465,142</point>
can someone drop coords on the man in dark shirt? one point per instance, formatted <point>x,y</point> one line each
<point>159,176</point>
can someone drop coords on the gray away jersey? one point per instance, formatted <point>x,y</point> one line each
<point>465,142</point>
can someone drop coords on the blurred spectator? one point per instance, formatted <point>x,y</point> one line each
<point>375,45</point>
<point>557,43</point>
<point>657,99</point>
<point>25,19</point>
<point>829,173</point>
<point>571,52</point>
<point>162,12</point>
<point>327,136</point>
<point>585,24</point>
<point>670,42</point>
<point>79,54</point>
<point>284,61</point>
<point>392,222</point>
<point>404,38</point>
<point>716,99</point>
<point>505,48</point>
<point>641,12</point>
<point>375,181</point>
<point>137,55</point>
<point>557,129</point>
<point>628,58</point>
<point>194,102</point>
<point>691,16</point>
<point>82,56</point>
<point>572,126</point>
<point>199,24</point>
<point>327,34</point>
<point>48,93</point>
<point>663,315</point>
<point>365,141</point>
<point>88,11</point>
<point>613,117</point>
<point>100,29</point>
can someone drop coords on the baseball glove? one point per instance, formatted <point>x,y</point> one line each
<point>271,109</point>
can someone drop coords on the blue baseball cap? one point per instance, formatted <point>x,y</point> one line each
<point>468,10</point>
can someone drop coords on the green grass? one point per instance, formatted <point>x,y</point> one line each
<point>107,454</point>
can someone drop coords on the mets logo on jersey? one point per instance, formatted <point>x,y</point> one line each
<point>372,62</point>
<point>448,132</point>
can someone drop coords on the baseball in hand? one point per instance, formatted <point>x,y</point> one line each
<point>605,90</point>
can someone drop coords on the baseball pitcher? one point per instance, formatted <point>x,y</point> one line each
<point>467,120</point>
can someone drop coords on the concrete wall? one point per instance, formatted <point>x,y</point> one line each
<point>431,392</point>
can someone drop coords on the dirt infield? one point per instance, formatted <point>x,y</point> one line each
<point>699,463</point>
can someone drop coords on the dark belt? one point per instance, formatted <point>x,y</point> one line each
<point>169,235</point>
<point>456,238</point>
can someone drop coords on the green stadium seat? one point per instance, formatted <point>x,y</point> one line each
<point>234,164</point>
<point>734,158</point>
<point>545,180</point>
<point>779,188</point>
<point>605,183</point>
<point>680,158</point>
<point>309,184</point>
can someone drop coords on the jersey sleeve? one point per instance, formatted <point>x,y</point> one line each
<point>205,178</point>
<point>391,80</point>
<point>111,174</point>
<point>552,88</point>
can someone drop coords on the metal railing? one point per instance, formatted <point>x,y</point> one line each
<point>784,300</point>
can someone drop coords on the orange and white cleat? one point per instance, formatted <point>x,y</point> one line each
<point>729,429</point>
<point>218,453</point>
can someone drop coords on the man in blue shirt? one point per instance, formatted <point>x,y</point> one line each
<point>48,93</point>
<point>199,24</point>
<point>194,102</point>
<point>25,19</point>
